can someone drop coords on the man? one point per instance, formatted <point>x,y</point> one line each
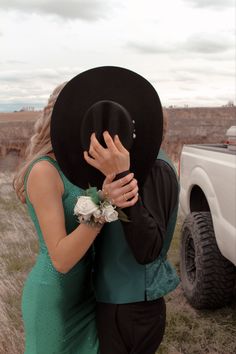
<point>131,271</point>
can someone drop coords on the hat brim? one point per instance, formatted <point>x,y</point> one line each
<point>120,85</point>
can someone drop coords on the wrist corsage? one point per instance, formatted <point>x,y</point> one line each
<point>94,211</point>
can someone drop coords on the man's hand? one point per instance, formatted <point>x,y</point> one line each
<point>111,160</point>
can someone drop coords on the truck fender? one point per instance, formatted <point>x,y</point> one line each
<point>199,177</point>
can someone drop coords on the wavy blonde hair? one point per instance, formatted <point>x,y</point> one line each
<point>39,144</point>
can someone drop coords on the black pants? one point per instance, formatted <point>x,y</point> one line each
<point>135,328</point>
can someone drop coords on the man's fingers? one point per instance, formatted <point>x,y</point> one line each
<point>109,142</point>
<point>93,152</point>
<point>119,145</point>
<point>90,160</point>
<point>96,145</point>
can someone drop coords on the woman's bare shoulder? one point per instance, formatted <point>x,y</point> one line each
<point>43,178</point>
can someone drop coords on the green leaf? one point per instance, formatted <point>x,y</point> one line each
<point>92,192</point>
<point>122,216</point>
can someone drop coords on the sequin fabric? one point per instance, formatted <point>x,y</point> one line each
<point>58,310</point>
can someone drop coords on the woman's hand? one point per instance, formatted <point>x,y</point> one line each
<point>122,192</point>
<point>113,159</point>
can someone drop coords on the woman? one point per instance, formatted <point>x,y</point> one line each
<point>58,304</point>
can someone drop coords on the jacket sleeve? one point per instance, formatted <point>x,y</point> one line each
<point>150,215</point>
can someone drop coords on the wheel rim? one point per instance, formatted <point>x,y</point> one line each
<point>190,257</point>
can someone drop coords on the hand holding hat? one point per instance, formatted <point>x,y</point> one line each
<point>111,160</point>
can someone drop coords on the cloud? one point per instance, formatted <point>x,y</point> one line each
<point>33,86</point>
<point>201,43</point>
<point>15,62</point>
<point>212,3</point>
<point>202,71</point>
<point>88,10</point>
<point>39,74</point>
<point>148,48</point>
<point>198,43</point>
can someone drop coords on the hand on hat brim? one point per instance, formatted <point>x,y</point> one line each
<point>113,159</point>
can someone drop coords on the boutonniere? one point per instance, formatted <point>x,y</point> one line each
<point>91,209</point>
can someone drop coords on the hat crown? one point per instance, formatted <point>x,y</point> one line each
<point>107,115</point>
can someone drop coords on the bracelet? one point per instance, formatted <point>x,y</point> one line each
<point>104,197</point>
<point>94,225</point>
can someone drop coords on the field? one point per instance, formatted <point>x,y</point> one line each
<point>184,126</point>
<point>18,116</point>
<point>188,331</point>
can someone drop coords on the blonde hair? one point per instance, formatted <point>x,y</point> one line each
<point>39,145</point>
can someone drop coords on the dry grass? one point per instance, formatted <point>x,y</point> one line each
<point>18,247</point>
<point>188,331</point>
<point>18,116</point>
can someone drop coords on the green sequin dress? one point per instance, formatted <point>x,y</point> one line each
<point>58,309</point>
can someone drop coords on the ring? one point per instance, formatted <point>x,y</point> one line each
<point>124,197</point>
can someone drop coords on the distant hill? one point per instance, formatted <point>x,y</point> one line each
<point>185,126</point>
<point>197,126</point>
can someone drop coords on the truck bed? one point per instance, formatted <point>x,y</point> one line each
<point>223,148</point>
<point>209,171</point>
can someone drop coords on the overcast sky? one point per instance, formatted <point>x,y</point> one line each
<point>185,48</point>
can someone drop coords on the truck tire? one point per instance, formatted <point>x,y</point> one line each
<point>208,278</point>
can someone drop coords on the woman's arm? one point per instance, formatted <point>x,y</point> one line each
<point>45,195</point>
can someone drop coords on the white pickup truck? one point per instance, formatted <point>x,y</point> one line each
<point>208,235</point>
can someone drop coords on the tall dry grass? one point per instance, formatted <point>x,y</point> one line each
<point>18,248</point>
<point>188,331</point>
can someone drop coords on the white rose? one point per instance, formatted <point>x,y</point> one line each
<point>83,218</point>
<point>85,206</point>
<point>97,213</point>
<point>110,213</point>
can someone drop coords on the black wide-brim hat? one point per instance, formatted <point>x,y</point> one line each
<point>106,98</point>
